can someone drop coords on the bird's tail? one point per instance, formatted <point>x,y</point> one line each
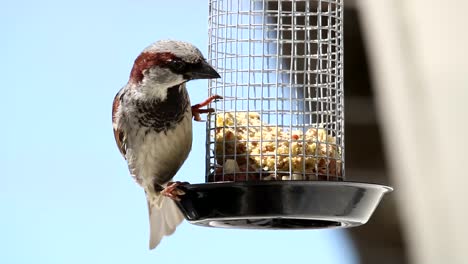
<point>164,217</point>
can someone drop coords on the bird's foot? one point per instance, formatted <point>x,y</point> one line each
<point>172,191</point>
<point>196,111</point>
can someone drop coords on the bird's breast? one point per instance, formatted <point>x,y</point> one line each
<point>159,136</point>
<point>155,157</point>
<point>163,115</point>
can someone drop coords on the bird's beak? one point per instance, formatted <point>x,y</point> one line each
<point>202,71</point>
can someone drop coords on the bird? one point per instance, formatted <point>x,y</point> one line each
<point>152,124</point>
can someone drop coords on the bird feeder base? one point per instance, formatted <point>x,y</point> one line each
<point>280,204</point>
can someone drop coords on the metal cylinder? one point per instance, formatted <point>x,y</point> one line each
<point>282,112</point>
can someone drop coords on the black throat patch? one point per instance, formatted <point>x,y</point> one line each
<point>163,115</point>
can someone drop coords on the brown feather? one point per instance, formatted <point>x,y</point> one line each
<point>147,60</point>
<point>118,135</point>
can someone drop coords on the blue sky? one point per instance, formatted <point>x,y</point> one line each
<point>66,195</point>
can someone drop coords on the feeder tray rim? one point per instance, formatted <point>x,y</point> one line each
<point>280,182</point>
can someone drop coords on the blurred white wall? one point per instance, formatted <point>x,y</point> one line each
<point>419,63</point>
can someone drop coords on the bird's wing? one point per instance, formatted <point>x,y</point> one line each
<point>119,135</point>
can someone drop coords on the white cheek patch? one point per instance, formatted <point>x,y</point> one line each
<point>157,80</point>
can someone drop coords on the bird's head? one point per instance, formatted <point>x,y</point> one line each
<point>168,63</point>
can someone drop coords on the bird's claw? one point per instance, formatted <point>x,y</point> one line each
<point>172,191</point>
<point>196,115</point>
<point>196,111</point>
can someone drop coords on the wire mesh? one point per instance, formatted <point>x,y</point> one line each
<point>282,116</point>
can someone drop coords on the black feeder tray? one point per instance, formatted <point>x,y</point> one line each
<point>280,204</point>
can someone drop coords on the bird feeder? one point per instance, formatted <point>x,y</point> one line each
<point>275,152</point>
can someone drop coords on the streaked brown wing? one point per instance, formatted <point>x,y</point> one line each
<point>118,135</point>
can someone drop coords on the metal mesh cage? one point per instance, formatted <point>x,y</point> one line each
<point>282,115</point>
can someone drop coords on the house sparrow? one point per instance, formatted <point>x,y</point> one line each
<point>151,118</point>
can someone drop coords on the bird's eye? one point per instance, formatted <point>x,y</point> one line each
<point>177,66</point>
